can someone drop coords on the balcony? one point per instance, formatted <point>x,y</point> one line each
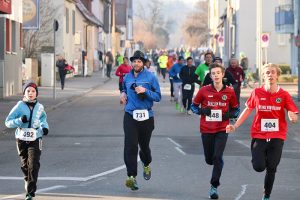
<point>284,19</point>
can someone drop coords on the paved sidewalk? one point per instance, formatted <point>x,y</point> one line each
<point>74,88</point>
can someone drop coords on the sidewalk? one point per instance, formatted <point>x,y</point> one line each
<point>74,88</point>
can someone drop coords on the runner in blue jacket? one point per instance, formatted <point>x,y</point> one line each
<point>140,90</point>
<point>30,120</point>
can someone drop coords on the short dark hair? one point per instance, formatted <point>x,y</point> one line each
<point>189,58</point>
<point>207,53</point>
<point>216,65</point>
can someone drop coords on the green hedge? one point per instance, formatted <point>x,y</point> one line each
<point>285,68</point>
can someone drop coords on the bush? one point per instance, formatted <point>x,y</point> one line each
<point>285,68</point>
<point>287,78</point>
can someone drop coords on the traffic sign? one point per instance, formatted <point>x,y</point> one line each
<point>221,41</point>
<point>265,38</point>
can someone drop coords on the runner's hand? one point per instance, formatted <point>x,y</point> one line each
<point>123,98</point>
<point>293,116</point>
<point>24,119</point>
<point>230,128</point>
<point>45,131</point>
<point>140,89</point>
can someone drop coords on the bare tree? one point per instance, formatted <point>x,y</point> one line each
<point>149,25</point>
<point>35,39</point>
<point>195,28</point>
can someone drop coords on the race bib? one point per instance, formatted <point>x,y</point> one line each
<point>27,134</point>
<point>269,125</point>
<point>187,87</point>
<point>140,115</point>
<point>216,116</point>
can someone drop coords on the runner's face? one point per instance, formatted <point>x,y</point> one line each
<point>125,61</point>
<point>30,93</point>
<point>217,75</point>
<point>137,65</point>
<point>208,59</point>
<point>189,62</point>
<point>270,75</point>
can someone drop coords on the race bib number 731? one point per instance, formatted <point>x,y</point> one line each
<point>269,125</point>
<point>140,115</point>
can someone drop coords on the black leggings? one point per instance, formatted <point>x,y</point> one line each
<point>30,153</point>
<point>137,133</point>
<point>187,97</point>
<point>266,155</point>
<point>214,146</point>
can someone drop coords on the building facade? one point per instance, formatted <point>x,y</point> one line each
<point>11,46</point>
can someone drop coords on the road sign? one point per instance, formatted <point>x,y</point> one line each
<point>265,38</point>
<point>221,41</point>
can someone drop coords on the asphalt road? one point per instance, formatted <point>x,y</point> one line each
<point>82,157</point>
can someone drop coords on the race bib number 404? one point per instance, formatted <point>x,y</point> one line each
<point>27,134</point>
<point>269,125</point>
<point>140,115</point>
<point>216,116</point>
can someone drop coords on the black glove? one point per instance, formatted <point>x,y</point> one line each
<point>226,116</point>
<point>24,119</point>
<point>205,111</point>
<point>45,131</point>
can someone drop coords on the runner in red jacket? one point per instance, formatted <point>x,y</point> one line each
<point>215,100</point>
<point>122,70</point>
<point>269,127</point>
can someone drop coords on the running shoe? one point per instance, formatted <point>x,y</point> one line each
<point>213,193</point>
<point>131,183</point>
<point>28,197</point>
<point>265,198</point>
<point>182,110</point>
<point>189,112</point>
<point>177,106</point>
<point>147,172</point>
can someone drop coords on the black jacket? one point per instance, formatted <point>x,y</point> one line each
<point>188,76</point>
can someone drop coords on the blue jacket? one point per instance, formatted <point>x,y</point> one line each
<point>147,80</point>
<point>37,118</point>
<point>174,72</point>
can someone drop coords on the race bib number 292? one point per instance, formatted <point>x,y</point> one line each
<point>27,134</point>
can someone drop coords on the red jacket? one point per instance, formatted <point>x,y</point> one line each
<point>237,73</point>
<point>122,71</point>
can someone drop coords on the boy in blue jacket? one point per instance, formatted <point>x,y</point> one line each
<point>30,120</point>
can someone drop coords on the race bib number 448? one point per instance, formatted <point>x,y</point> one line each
<point>269,125</point>
<point>216,116</point>
<point>27,134</point>
<point>140,115</point>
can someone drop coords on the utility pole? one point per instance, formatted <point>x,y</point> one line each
<point>258,38</point>
<point>55,28</point>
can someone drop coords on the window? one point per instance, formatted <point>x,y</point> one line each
<point>8,35</point>
<point>67,20</point>
<point>21,35</point>
<point>73,22</point>
<point>282,39</point>
<point>13,36</point>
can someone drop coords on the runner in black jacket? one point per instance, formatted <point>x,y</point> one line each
<point>189,78</point>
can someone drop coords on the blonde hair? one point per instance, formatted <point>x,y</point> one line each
<point>278,70</point>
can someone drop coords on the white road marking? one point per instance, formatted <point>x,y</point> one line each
<point>176,144</point>
<point>38,191</point>
<point>243,143</point>
<point>243,191</point>
<point>180,151</point>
